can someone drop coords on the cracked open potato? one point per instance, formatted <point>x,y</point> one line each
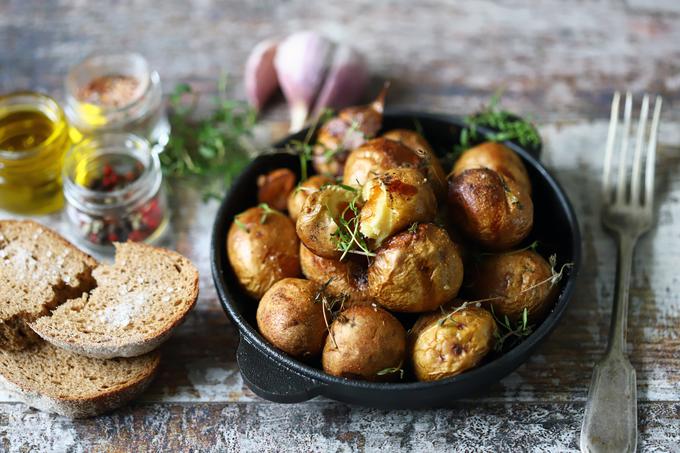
<point>297,197</point>
<point>496,157</point>
<point>342,278</point>
<point>365,342</point>
<point>290,318</point>
<point>376,157</point>
<point>446,344</point>
<point>319,220</point>
<point>493,211</point>
<point>263,248</point>
<point>393,201</point>
<point>514,281</point>
<point>416,271</point>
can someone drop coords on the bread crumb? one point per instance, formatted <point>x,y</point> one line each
<point>124,313</point>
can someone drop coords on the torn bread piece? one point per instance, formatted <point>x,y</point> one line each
<point>134,307</point>
<point>54,380</point>
<point>39,270</point>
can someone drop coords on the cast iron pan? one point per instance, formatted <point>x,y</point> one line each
<point>277,377</point>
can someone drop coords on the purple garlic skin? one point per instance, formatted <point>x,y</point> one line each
<point>301,63</point>
<point>261,81</point>
<point>345,82</point>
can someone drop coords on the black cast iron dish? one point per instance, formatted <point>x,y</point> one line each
<point>273,375</point>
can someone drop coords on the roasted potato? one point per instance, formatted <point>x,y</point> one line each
<point>348,130</point>
<point>274,188</point>
<point>291,318</point>
<point>365,342</point>
<point>341,278</point>
<point>318,222</point>
<point>263,248</point>
<point>376,157</point>
<point>495,212</point>
<point>297,197</point>
<point>514,281</point>
<point>393,201</point>
<point>446,344</point>
<point>496,157</point>
<point>416,271</point>
<point>433,168</point>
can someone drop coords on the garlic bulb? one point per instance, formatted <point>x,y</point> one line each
<point>260,75</point>
<point>345,81</point>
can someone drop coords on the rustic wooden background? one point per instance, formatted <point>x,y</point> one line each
<point>558,61</point>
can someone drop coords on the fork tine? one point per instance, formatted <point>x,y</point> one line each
<point>623,157</point>
<point>636,176</point>
<point>651,155</point>
<point>611,136</point>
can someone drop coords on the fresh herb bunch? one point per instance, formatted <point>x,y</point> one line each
<point>304,148</point>
<point>505,126</point>
<point>509,335</point>
<point>214,149</point>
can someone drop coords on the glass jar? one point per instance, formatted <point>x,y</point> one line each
<point>34,136</point>
<point>116,93</point>
<point>114,192</point>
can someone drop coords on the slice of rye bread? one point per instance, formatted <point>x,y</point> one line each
<point>38,270</point>
<point>54,380</point>
<point>137,302</point>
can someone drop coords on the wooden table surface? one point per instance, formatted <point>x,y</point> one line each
<point>558,60</point>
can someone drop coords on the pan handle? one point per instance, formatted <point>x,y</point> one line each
<point>272,381</point>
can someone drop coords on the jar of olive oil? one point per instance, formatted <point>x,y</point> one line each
<point>34,136</point>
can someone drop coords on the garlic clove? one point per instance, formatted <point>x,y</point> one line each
<point>345,81</point>
<point>301,63</point>
<point>261,80</point>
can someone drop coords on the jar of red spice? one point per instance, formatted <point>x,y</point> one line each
<point>114,192</point>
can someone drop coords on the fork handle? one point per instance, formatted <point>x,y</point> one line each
<point>610,422</point>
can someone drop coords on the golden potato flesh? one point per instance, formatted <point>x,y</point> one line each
<point>445,344</point>
<point>416,271</point>
<point>297,197</point>
<point>434,170</point>
<point>365,342</point>
<point>496,157</point>
<point>514,281</point>
<point>318,222</point>
<point>496,213</point>
<point>291,318</point>
<point>342,278</point>
<point>376,157</point>
<point>262,248</point>
<point>393,201</point>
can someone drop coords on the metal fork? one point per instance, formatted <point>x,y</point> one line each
<point>610,422</point>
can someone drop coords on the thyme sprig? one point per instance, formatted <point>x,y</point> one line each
<point>521,329</point>
<point>304,148</point>
<point>332,306</point>
<point>392,370</point>
<point>347,237</point>
<point>267,211</point>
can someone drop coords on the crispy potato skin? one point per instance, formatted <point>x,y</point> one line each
<point>274,188</point>
<point>263,253</point>
<point>496,213</point>
<point>496,157</point>
<point>297,197</point>
<point>317,221</point>
<point>393,201</point>
<point>375,157</point>
<point>347,277</point>
<point>433,168</point>
<point>441,348</point>
<point>363,341</point>
<point>518,280</point>
<point>416,271</point>
<point>288,318</point>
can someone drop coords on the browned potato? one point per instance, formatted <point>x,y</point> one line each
<point>274,188</point>
<point>445,219</point>
<point>318,221</point>
<point>365,342</point>
<point>348,130</point>
<point>263,248</point>
<point>496,157</point>
<point>393,201</point>
<point>495,212</point>
<point>297,197</point>
<point>416,271</point>
<point>347,277</point>
<point>514,281</point>
<point>375,157</point>
<point>445,344</point>
<point>434,170</point>
<point>290,318</point>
